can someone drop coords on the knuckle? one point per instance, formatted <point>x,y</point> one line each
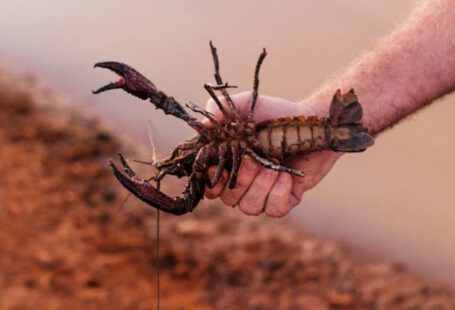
<point>244,179</point>
<point>277,206</point>
<point>265,179</point>
<point>251,205</point>
<point>250,211</point>
<point>272,206</point>
<point>277,211</point>
<point>249,167</point>
<point>242,183</point>
<point>228,199</point>
<point>231,197</point>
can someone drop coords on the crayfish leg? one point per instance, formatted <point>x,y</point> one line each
<point>237,156</point>
<point>142,189</point>
<point>271,165</point>
<point>222,149</point>
<point>254,95</point>
<point>219,81</point>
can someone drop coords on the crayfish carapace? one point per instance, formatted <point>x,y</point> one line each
<point>225,143</point>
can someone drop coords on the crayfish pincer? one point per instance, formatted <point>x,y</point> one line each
<point>225,143</point>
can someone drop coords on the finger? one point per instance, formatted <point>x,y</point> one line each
<point>278,201</point>
<point>253,202</point>
<point>294,200</point>
<point>315,166</point>
<point>212,193</point>
<point>248,170</point>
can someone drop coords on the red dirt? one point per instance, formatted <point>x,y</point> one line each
<point>66,244</point>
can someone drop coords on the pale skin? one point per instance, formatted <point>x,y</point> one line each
<point>406,70</point>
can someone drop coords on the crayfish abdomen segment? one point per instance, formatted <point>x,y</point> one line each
<point>342,131</point>
<point>288,136</point>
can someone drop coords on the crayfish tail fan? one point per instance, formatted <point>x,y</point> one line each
<point>346,132</point>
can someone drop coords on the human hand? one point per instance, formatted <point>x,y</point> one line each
<point>259,189</point>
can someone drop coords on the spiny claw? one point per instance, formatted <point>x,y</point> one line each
<point>149,194</point>
<point>138,85</point>
<point>130,172</point>
<point>130,80</point>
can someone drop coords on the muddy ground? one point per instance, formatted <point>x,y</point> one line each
<point>66,242</point>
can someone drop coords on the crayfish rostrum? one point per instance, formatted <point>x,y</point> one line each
<point>226,142</point>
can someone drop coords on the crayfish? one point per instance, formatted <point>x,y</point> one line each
<point>225,143</point>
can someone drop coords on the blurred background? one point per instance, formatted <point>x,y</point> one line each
<point>399,202</point>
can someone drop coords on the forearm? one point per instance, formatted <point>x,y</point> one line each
<point>406,70</point>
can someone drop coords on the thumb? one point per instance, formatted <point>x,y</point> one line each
<point>241,101</point>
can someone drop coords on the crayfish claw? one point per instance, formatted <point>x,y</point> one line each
<point>126,167</point>
<point>130,80</point>
<point>138,85</point>
<point>143,190</point>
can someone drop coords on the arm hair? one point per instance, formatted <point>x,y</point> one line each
<point>406,70</point>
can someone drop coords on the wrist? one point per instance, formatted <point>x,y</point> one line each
<point>317,104</point>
